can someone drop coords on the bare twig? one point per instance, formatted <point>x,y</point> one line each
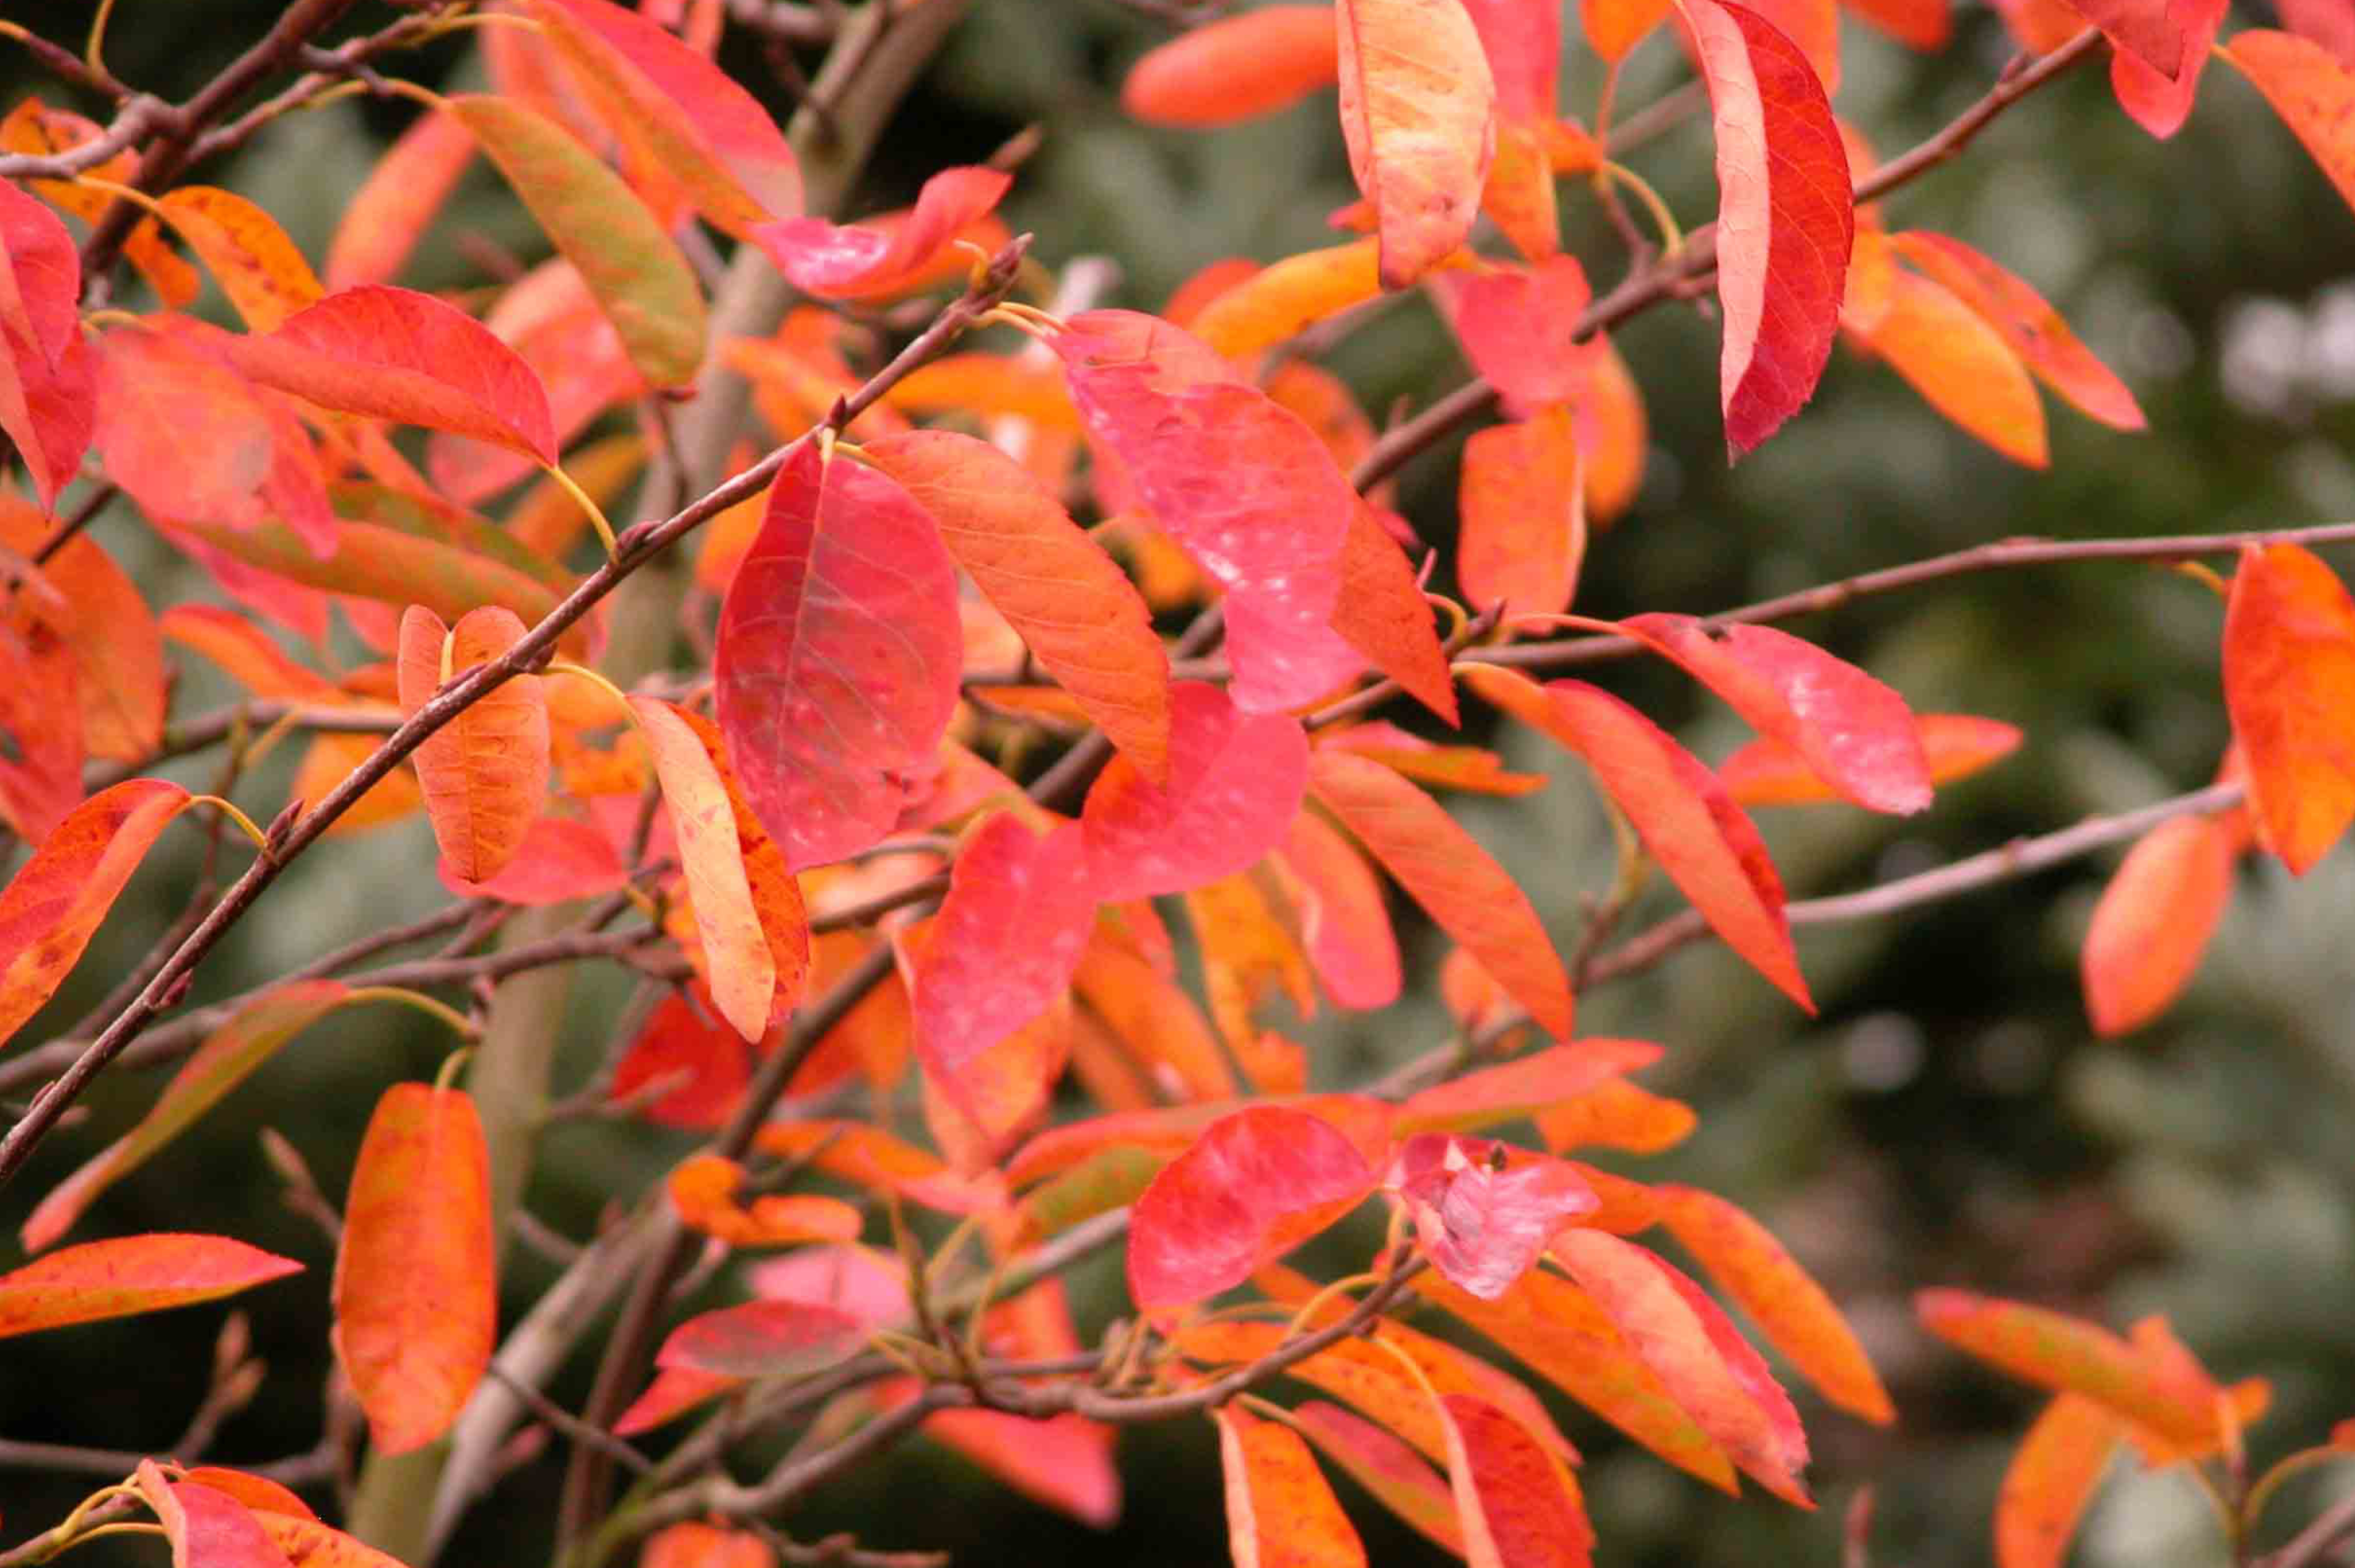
<point>2324,1532</point>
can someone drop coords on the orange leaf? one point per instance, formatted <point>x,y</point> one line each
<point>2051,1479</point>
<point>1785,218</point>
<point>1766,772</point>
<point>776,894</point>
<point>2154,921</point>
<point>310,1545</point>
<point>1614,433</point>
<point>1345,927</point>
<point>1523,1088</point>
<point>1281,299</point>
<point>131,1275</point>
<point>703,1192</point>
<point>1417,113</point>
<point>1708,1369</point>
<point>2033,328</point>
<point>387,216</point>
<point>257,1492</point>
<point>999,1092</point>
<point>870,1157</point>
<point>693,1545</point>
<point>1069,601</point>
<point>1473,768</point>
<point>57,900</point>
<point>40,714</point>
<point>1280,1511</point>
<point>416,1293</point>
<point>2070,1355</point>
<point>1961,366</point>
<point>1686,820</point>
<point>1382,613</point>
<point>1797,1318</point>
<point>34,127</point>
<point>2290,687</point>
<point>1463,888</point>
<point>1923,25</point>
<point>736,946</point>
<point>485,773</point>
<point>258,267</point>
<point>1390,1469</point>
<point>1523,530</point>
<point>1519,1508</point>
<point>118,653</point>
<point>1233,69</point>
<point>987,384</point>
<point>1614,27</point>
<point>228,1055</point>
<point>1615,1114</point>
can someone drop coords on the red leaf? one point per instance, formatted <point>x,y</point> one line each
<point>1254,1185</point>
<point>1484,1226</point>
<point>386,217</point>
<point>705,1062</point>
<point>1235,781</point>
<point>762,1338</point>
<point>1418,112</point>
<point>2151,100</point>
<point>2053,1478</point>
<point>2150,29</point>
<point>1241,482</point>
<point>1345,927</point>
<point>742,965</point>
<point>2290,687</point>
<point>1064,1462</point>
<point>207,1529</point>
<point>1524,1088</point>
<point>1233,69</point>
<point>1392,1471</point>
<point>1789,1308</point>
<point>1768,773</point>
<point>1071,602</point>
<point>1005,944</point>
<point>822,259</point>
<point>1785,217</point>
<point>1382,614</point>
<point>398,355</point>
<point>58,899</point>
<point>228,1055</point>
<point>2154,921</point>
<point>2330,23</point>
<point>1687,823</point>
<point>486,772</point>
<point>1518,327</point>
<point>776,894</point>
<point>1462,887</point>
<point>679,111</point>
<point>560,859</point>
<point>839,650</point>
<point>1519,1508</point>
<point>1280,1511</point>
<point>2070,1355</point>
<point>1855,733</point>
<point>1689,1345</point>
<point>1523,527</point>
<point>46,390</point>
<point>416,1292</point>
<point>131,1275</point>
<point>257,1492</point>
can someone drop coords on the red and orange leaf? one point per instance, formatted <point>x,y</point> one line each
<point>1473,768</point>
<point>257,1492</point>
<point>561,859</point>
<point>398,355</point>
<point>1069,601</point>
<point>1482,1218</point>
<point>1526,1087</point>
<point>679,111</point>
<point>2289,687</point>
<point>1854,732</point>
<point>1280,1513</point>
<point>2070,1355</point>
<point>1614,27</point>
<point>743,968</point>
<point>2155,919</point>
<point>670,1393</point>
<point>1254,1185</point>
<point>1418,111</point>
<point>1345,926</point>
<point>1518,1505</point>
<point>1785,217</point>
<point>2033,328</point>
<point>207,1529</point>
<point>57,900</point>
<point>307,1544</point>
<point>131,1275</point>
<point>762,1338</point>
<point>34,127</point>
<point>2051,1479</point>
<point>1235,781</point>
<point>838,657</point>
<point>703,1193</point>
<point>776,894</point>
<point>1455,880</point>
<point>231,1053</point>
<point>1954,745</point>
<point>1000,1092</point>
<point>118,653</point>
<point>486,772</point>
<point>1523,519</point>
<point>1687,823</point>
<point>1381,612</point>
<point>1233,69</point>
<point>46,395</point>
<point>2151,100</point>
<point>1963,367</point>
<point>1282,300</point>
<point>416,1292</point>
<point>1789,1308</point>
<point>386,217</point>
<point>259,268</point>
<point>870,1157</point>
<point>1170,1131</point>
<point>1688,1342</point>
<point>1367,1377</point>
<point>40,716</point>
<point>827,261</point>
<point>1399,1477</point>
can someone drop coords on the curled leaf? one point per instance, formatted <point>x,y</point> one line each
<point>827,261</point>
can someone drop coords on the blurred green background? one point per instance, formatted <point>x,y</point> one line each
<point>1946,1120</point>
